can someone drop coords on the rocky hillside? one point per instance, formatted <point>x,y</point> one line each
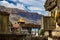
<point>16,13</point>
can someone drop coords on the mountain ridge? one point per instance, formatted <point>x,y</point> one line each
<point>23,13</point>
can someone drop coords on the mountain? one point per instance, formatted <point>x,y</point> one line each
<point>16,13</point>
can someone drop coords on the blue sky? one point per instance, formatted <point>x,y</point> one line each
<point>28,5</point>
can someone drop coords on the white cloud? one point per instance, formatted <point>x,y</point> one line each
<point>6,4</point>
<point>36,5</point>
<point>31,2</point>
<point>35,8</point>
<point>43,1</point>
<point>11,5</point>
<point>14,0</point>
<point>20,6</point>
<point>39,12</point>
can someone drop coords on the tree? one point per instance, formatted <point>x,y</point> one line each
<point>42,32</point>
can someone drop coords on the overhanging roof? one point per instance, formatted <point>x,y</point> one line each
<point>3,13</point>
<point>30,25</point>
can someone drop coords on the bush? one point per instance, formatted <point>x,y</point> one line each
<point>42,32</point>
